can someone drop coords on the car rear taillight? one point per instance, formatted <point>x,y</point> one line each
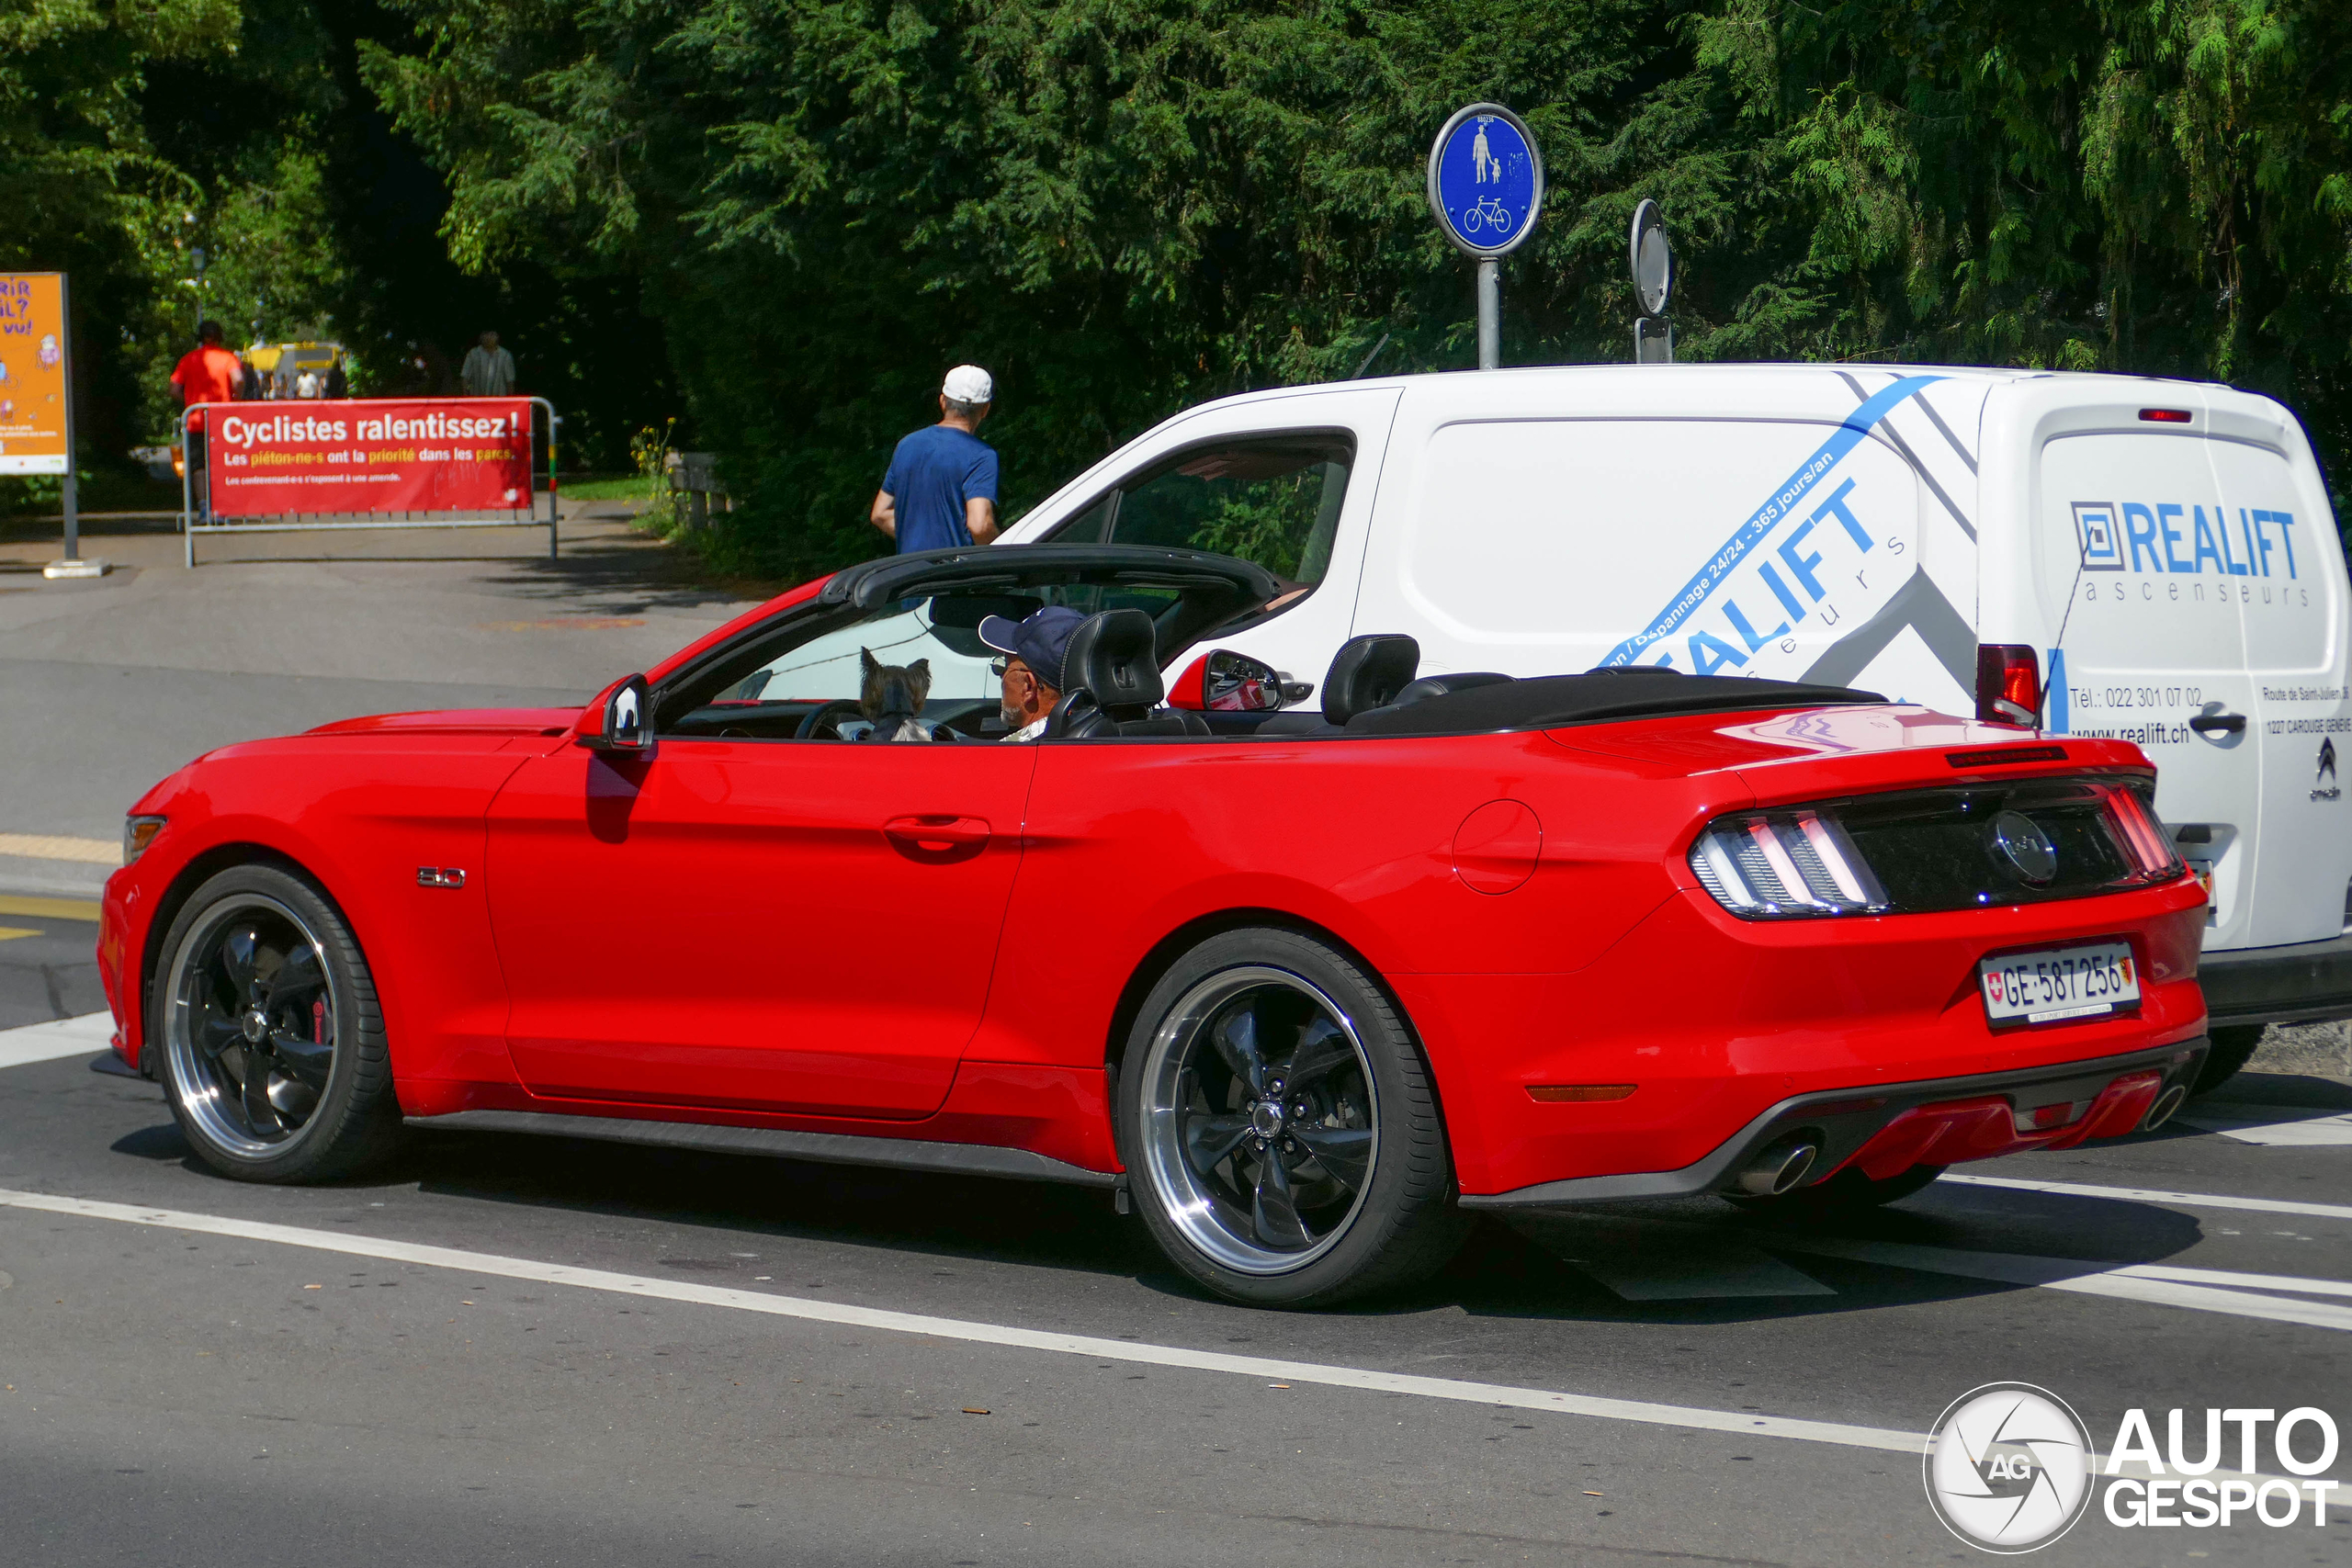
<point>1970,846</point>
<point>1768,864</point>
<point>2153,856</point>
<point>2009,683</point>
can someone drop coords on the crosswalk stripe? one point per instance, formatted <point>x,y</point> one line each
<point>2260,1124</point>
<point>48,1041</point>
<point>2154,1195</point>
<point>2197,1289</point>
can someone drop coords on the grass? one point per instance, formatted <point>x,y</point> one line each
<point>637,487</point>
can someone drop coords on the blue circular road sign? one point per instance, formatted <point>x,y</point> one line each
<point>1486,180</point>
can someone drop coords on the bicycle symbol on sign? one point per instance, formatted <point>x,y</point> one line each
<point>1488,214</point>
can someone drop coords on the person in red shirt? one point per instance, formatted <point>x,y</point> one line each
<point>206,374</point>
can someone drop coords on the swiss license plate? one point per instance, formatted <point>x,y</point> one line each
<point>2059,983</point>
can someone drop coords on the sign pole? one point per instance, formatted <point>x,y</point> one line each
<point>1485,186</point>
<point>1490,314</point>
<point>44,381</point>
<point>67,497</point>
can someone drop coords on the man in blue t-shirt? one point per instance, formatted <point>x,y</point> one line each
<point>940,489</point>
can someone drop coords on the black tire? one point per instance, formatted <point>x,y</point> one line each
<point>1848,1191</point>
<point>271,1044</point>
<point>2232,1045</point>
<point>1352,1190</point>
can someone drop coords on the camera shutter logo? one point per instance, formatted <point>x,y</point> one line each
<point>2008,1468</point>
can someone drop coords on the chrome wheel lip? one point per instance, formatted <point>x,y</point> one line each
<point>197,1088</point>
<point>1181,1195</point>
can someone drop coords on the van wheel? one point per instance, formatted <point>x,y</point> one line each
<point>1282,1133</point>
<point>2232,1045</point>
<point>1849,1190</point>
<point>273,1057</point>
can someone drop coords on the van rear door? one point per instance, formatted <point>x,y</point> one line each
<point>2286,572</point>
<point>2150,643</point>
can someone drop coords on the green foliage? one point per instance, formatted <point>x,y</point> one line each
<point>800,212</point>
<point>2151,185</point>
<point>1119,208</point>
<point>649,454</point>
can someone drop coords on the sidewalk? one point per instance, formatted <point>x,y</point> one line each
<point>108,684</point>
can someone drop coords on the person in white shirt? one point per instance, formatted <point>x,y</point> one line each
<point>488,370</point>
<point>1035,648</point>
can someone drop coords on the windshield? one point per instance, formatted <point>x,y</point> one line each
<point>917,657</point>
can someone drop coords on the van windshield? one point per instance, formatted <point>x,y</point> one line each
<point>1275,503</point>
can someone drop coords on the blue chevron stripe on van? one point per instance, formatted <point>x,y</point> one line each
<point>1743,540</point>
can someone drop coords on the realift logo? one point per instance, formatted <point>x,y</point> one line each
<point>2009,1467</point>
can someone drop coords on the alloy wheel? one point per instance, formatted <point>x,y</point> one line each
<point>1260,1120</point>
<point>254,1010</point>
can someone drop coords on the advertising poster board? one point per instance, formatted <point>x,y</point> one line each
<point>33,436</point>
<point>373,454</point>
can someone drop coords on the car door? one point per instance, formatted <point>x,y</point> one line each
<point>2287,574</point>
<point>754,923</point>
<point>2132,571</point>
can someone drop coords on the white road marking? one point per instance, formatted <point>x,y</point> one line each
<point>48,1041</point>
<point>2242,1281</point>
<point>1689,1417</point>
<point>2201,1290</point>
<point>2154,1195</point>
<point>1739,1422</point>
<point>2259,1125</point>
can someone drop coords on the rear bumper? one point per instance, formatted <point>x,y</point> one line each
<point>2303,983</point>
<point>1888,1128</point>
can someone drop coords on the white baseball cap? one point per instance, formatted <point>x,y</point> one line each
<point>970,384</point>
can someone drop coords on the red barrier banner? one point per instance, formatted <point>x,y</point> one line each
<point>369,455</point>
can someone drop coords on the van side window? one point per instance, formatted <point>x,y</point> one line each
<point>1273,503</point>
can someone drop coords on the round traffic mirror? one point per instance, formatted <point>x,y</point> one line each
<point>1653,259</point>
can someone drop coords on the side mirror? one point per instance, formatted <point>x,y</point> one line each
<point>1222,680</point>
<point>623,722</point>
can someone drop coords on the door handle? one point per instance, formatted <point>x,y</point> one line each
<point>936,834</point>
<point>2227,723</point>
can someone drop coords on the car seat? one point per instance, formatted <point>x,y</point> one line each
<point>1111,683</point>
<point>1367,673</point>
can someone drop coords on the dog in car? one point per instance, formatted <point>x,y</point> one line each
<point>891,697</point>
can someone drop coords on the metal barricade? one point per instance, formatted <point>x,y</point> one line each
<point>333,440</point>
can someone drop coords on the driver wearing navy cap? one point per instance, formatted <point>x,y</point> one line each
<point>1035,649</point>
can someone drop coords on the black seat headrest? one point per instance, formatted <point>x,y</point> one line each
<point>1114,657</point>
<point>1367,673</point>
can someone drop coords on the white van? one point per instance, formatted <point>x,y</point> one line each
<point>2108,555</point>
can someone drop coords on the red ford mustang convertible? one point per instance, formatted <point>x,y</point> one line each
<point>1303,983</point>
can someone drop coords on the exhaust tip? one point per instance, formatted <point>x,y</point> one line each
<point>2166,1103</point>
<point>1778,1167</point>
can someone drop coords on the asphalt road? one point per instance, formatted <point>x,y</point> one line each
<point>184,1395</point>
<point>519,1351</point>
